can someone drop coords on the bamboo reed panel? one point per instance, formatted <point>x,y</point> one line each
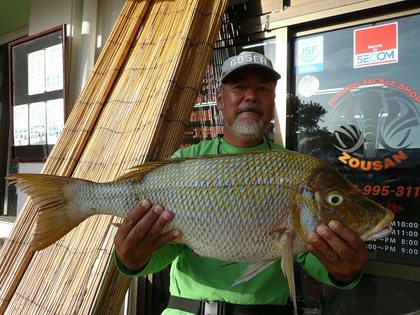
<point>133,108</point>
<point>15,255</point>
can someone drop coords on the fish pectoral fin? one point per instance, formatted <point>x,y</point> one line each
<point>177,241</point>
<point>229,264</point>
<point>286,244</point>
<point>251,271</point>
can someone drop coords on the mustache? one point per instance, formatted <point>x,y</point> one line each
<point>249,107</point>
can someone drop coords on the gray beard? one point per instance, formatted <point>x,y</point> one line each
<point>248,130</point>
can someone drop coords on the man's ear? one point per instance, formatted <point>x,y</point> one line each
<point>219,100</point>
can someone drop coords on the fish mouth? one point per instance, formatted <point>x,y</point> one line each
<point>377,235</point>
<point>381,230</point>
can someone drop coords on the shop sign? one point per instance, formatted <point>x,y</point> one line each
<point>374,122</point>
<point>376,125</point>
<point>310,55</point>
<point>376,45</point>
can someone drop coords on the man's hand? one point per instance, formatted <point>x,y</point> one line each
<point>339,249</point>
<point>140,236</point>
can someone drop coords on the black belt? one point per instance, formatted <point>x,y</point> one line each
<point>224,308</point>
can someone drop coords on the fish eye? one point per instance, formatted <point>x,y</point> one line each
<point>334,198</point>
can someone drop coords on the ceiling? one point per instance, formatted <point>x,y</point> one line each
<point>14,15</point>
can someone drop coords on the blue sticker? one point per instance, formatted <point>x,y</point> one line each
<point>309,55</point>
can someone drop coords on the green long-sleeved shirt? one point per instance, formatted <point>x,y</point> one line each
<point>209,279</point>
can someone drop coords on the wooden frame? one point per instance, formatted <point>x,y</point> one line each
<point>37,93</point>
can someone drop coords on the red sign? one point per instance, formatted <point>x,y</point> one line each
<point>376,45</point>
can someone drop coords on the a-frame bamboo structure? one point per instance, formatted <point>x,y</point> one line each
<point>133,108</point>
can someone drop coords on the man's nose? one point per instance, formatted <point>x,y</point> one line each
<point>251,94</point>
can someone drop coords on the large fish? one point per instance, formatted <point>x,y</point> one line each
<point>253,207</point>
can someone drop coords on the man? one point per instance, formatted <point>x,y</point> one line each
<point>335,255</point>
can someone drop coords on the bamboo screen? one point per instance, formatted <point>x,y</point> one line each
<point>134,108</point>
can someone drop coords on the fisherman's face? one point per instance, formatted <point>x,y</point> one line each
<point>247,103</point>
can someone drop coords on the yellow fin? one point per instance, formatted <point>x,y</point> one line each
<point>252,271</point>
<point>54,216</point>
<point>286,243</point>
<point>142,169</point>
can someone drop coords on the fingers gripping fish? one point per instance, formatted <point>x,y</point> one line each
<point>257,207</point>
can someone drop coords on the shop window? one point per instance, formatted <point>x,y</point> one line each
<point>356,104</point>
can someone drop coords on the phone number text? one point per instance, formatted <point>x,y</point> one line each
<point>399,191</point>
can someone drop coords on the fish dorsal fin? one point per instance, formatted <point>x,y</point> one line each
<point>143,169</point>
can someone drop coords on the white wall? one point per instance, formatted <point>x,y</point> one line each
<point>89,23</point>
<point>26,168</point>
<point>45,14</point>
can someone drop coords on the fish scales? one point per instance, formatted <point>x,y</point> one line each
<point>232,199</point>
<point>226,208</point>
<point>220,205</point>
<point>255,207</point>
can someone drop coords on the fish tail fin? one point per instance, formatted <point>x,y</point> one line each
<point>286,244</point>
<point>55,214</point>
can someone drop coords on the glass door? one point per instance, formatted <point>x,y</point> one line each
<point>355,103</point>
